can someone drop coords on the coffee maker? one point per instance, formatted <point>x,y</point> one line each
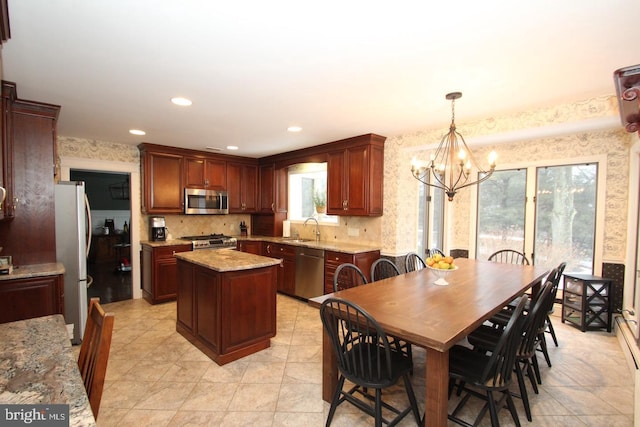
<point>157,228</point>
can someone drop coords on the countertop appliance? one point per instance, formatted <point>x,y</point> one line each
<point>212,241</point>
<point>158,228</point>
<point>73,240</point>
<point>205,202</point>
<point>309,281</point>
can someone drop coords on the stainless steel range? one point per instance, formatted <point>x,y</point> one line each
<point>212,241</point>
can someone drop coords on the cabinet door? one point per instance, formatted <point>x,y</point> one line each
<point>194,173</point>
<point>166,278</point>
<point>28,298</point>
<point>288,271</point>
<point>242,181</point>
<point>184,291</point>
<point>250,188</point>
<point>336,200</point>
<point>249,246</point>
<point>267,189</point>
<point>163,183</point>
<point>356,180</point>
<point>215,177</point>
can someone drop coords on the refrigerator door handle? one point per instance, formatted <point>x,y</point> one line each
<point>90,228</point>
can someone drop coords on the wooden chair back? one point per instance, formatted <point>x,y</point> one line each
<point>509,256</point>
<point>94,352</point>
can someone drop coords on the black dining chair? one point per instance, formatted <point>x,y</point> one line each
<point>347,276</point>
<point>488,376</point>
<point>548,325</point>
<point>382,268</point>
<point>509,256</point>
<point>366,358</point>
<point>413,262</point>
<point>434,251</point>
<point>485,338</point>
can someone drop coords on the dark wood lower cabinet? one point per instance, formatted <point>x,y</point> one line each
<point>227,315</point>
<point>159,272</point>
<point>31,297</point>
<point>333,259</point>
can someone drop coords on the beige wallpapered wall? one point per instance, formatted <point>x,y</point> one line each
<point>396,230</point>
<point>401,204</point>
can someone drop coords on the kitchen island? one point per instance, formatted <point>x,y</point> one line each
<point>226,302</point>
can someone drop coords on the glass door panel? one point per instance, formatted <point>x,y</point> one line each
<point>501,212</point>
<point>565,218</point>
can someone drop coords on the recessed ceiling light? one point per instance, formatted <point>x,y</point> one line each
<point>137,132</point>
<point>209,147</point>
<point>232,147</point>
<point>183,102</point>
<point>294,128</point>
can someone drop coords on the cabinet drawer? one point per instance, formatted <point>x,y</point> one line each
<point>282,250</point>
<point>573,300</point>
<point>168,251</point>
<point>337,258</point>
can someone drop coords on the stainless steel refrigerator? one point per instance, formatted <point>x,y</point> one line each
<point>73,240</point>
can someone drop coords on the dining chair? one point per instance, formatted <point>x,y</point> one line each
<point>347,276</point>
<point>509,256</point>
<point>94,352</point>
<point>548,325</point>
<point>413,262</point>
<point>489,375</point>
<point>485,338</point>
<point>383,268</point>
<point>365,362</point>
<point>433,251</point>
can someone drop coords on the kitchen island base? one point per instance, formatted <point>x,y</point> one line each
<point>226,314</point>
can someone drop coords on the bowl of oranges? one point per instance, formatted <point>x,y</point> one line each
<point>441,266</point>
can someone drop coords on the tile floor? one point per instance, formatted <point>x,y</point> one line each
<point>156,378</point>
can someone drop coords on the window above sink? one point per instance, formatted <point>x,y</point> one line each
<point>308,193</point>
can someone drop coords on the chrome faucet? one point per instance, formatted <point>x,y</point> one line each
<point>317,227</point>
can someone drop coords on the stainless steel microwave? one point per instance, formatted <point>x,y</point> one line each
<point>198,201</point>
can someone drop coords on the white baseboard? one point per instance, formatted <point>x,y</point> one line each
<point>629,347</point>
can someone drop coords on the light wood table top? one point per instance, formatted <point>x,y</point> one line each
<point>413,308</point>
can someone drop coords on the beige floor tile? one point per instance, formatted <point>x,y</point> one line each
<point>154,367</point>
<point>255,398</point>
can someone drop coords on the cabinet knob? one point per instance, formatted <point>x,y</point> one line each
<point>268,249</point>
<point>273,208</point>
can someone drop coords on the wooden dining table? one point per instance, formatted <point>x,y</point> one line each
<point>413,308</point>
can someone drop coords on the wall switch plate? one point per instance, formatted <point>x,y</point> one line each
<point>353,232</point>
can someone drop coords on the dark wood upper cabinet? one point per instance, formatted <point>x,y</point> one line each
<point>28,160</point>
<point>162,182</point>
<point>242,185</point>
<point>205,173</point>
<point>355,176</point>
<point>273,186</point>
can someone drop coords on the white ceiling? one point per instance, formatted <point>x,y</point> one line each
<point>338,68</point>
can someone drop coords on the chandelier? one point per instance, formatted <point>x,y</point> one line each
<point>452,163</point>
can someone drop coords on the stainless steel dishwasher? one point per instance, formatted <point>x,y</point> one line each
<point>309,272</point>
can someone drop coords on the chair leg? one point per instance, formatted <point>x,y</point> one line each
<point>532,376</point>
<point>378,407</point>
<point>543,348</point>
<point>552,331</point>
<point>536,368</point>
<point>412,398</point>
<point>493,410</point>
<point>335,401</point>
<point>523,390</point>
<point>512,409</point>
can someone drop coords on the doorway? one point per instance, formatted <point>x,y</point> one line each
<point>109,260</point>
<point>133,171</point>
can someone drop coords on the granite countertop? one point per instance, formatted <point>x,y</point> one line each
<point>161,243</point>
<point>34,270</point>
<point>345,247</point>
<point>227,259</point>
<point>38,366</point>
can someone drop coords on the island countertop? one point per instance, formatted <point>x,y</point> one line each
<point>38,366</point>
<point>226,259</point>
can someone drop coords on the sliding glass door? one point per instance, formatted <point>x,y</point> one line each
<point>546,212</point>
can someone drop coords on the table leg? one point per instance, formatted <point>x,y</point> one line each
<point>436,393</point>
<point>329,368</point>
